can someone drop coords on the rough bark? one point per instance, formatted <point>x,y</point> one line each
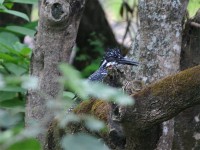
<point>157,103</point>
<point>160,38</point>
<point>164,99</point>
<point>57,30</point>
<point>159,44</point>
<point>187,123</point>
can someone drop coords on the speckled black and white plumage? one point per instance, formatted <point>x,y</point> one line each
<point>112,57</point>
<point>99,75</point>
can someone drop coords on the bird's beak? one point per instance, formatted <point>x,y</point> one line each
<point>125,61</point>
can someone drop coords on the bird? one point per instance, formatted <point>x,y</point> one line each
<point>112,58</point>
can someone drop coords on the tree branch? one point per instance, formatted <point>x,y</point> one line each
<point>163,100</point>
<point>195,24</point>
<point>155,103</point>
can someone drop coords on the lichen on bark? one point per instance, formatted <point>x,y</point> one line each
<point>159,44</point>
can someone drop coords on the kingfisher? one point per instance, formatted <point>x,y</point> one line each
<point>112,58</point>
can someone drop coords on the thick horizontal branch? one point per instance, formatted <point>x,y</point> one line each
<point>163,100</point>
<point>155,103</point>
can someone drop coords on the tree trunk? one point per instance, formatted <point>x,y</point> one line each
<point>57,31</point>
<point>187,123</point>
<point>156,103</point>
<point>159,43</point>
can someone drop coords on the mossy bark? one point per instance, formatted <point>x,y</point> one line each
<point>164,99</point>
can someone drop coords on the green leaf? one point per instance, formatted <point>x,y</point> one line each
<point>68,95</point>
<point>2,7</point>
<point>108,93</point>
<point>21,30</point>
<point>7,38</point>
<point>31,25</point>
<point>71,79</point>
<point>84,88</point>
<point>6,135</point>
<point>29,82</point>
<point>68,119</point>
<point>193,6</point>
<point>16,13</point>
<point>25,1</point>
<point>8,119</point>
<point>18,46</point>
<point>6,49</point>
<point>94,124</point>
<point>20,49</point>
<point>2,82</point>
<point>6,95</point>
<point>12,89</point>
<point>82,141</point>
<point>15,69</point>
<point>7,58</point>
<point>26,144</point>
<point>25,51</point>
<point>12,103</point>
<point>90,68</point>
<point>8,5</point>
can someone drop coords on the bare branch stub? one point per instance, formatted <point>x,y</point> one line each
<point>195,24</point>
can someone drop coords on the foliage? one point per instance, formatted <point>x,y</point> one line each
<point>96,42</point>
<point>6,4</point>
<point>86,89</point>
<point>14,57</point>
<point>80,142</point>
<point>14,81</point>
<point>193,7</point>
<point>14,64</point>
